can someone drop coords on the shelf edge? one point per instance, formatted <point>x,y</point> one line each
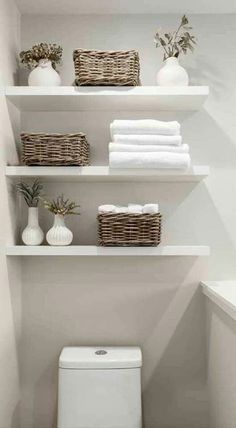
<point>161,251</point>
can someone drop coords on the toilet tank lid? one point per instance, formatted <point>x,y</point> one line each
<point>100,357</point>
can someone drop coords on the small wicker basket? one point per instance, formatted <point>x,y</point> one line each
<point>129,230</point>
<point>112,68</point>
<point>55,149</point>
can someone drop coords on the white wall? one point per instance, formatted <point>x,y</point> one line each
<point>9,271</point>
<point>210,132</point>
<point>152,303</point>
<point>221,344</point>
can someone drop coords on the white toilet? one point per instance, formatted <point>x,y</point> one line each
<point>100,387</point>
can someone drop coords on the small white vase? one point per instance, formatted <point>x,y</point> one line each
<point>32,234</point>
<point>44,75</point>
<point>172,74</point>
<point>59,234</point>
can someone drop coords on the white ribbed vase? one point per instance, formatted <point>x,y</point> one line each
<point>59,234</point>
<point>44,75</point>
<point>172,74</point>
<point>33,234</point>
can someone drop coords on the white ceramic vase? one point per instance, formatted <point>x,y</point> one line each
<point>44,75</point>
<point>59,234</point>
<point>32,234</point>
<point>172,74</point>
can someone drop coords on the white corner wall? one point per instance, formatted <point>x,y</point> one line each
<point>221,367</point>
<point>153,303</point>
<point>10,305</point>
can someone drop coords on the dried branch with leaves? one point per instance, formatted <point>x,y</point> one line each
<point>31,57</point>
<point>61,206</point>
<point>176,42</point>
<point>31,194</point>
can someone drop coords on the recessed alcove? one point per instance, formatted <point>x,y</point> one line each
<point>87,295</point>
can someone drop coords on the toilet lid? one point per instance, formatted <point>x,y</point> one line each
<point>100,357</point>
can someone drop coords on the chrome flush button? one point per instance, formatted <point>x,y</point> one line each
<point>101,352</point>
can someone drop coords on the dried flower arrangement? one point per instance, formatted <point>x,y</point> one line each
<point>176,42</point>
<point>31,194</point>
<point>61,206</point>
<point>31,57</point>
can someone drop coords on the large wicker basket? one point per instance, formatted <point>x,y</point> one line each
<point>129,230</point>
<point>55,149</point>
<point>112,68</point>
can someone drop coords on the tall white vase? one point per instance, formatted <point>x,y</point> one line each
<point>59,234</point>
<point>32,234</point>
<point>44,75</point>
<point>172,74</point>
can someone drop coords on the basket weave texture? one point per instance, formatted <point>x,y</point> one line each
<point>112,68</point>
<point>55,149</point>
<point>129,230</point>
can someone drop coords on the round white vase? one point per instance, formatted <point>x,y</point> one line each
<point>59,234</point>
<point>44,75</point>
<point>172,74</point>
<point>32,234</point>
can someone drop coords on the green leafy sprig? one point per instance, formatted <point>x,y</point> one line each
<point>61,206</point>
<point>31,194</point>
<point>176,42</point>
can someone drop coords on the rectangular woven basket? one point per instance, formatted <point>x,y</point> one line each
<point>101,68</point>
<point>129,230</point>
<point>55,149</point>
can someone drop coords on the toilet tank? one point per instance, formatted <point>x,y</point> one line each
<point>100,387</point>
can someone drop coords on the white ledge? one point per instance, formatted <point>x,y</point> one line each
<point>223,294</point>
<point>137,98</point>
<point>104,173</point>
<point>92,250</point>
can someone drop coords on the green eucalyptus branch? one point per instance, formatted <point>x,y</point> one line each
<point>176,42</point>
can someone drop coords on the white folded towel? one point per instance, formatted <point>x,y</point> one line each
<point>154,160</point>
<point>146,126</point>
<point>135,209</point>
<point>106,209</point>
<point>131,209</point>
<point>174,140</point>
<point>116,147</point>
<point>121,210</point>
<point>151,209</point>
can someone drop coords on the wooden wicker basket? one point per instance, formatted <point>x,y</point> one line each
<point>113,68</point>
<point>55,149</point>
<point>129,230</point>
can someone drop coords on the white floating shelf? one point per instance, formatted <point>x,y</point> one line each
<point>223,294</point>
<point>140,98</point>
<point>92,250</point>
<point>104,173</point>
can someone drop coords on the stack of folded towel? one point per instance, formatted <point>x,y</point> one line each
<point>130,209</point>
<point>147,144</point>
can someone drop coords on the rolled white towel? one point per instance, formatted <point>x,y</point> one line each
<point>155,160</point>
<point>102,209</point>
<point>161,140</point>
<point>146,126</point>
<point>151,209</point>
<point>121,210</point>
<point>116,147</point>
<point>135,209</point>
